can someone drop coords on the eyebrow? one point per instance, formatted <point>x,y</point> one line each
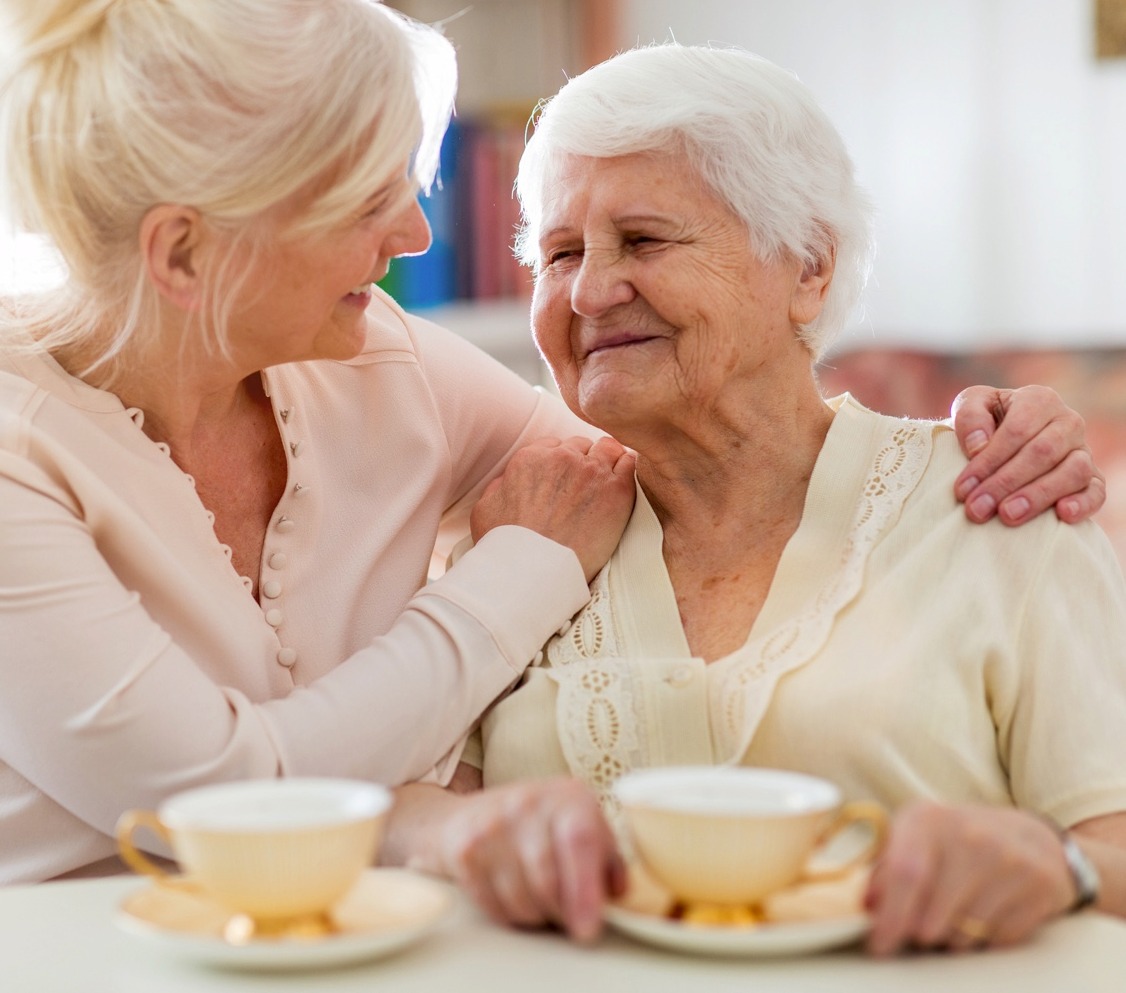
<point>621,221</point>
<point>626,220</point>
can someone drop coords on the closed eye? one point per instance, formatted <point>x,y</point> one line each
<point>552,258</point>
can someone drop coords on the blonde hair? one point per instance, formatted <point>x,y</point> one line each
<point>110,107</point>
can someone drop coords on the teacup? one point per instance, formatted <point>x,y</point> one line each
<point>279,851</point>
<point>732,835</point>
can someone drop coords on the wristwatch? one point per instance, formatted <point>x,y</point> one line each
<point>1083,872</point>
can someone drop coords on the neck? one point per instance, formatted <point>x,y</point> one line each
<point>744,463</point>
<point>187,397</point>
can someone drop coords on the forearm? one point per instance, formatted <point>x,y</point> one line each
<point>169,699</point>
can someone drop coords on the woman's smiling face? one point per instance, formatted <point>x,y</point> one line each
<point>306,295</point>
<point>649,298</point>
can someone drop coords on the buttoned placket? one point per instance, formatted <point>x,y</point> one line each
<point>287,520</point>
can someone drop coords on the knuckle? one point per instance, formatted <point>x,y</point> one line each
<point>903,865</point>
<point>1045,446</point>
<point>579,832</point>
<point>1081,464</point>
<point>1044,394</point>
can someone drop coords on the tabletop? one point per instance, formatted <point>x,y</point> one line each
<point>57,937</point>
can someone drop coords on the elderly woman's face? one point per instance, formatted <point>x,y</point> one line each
<point>650,301</point>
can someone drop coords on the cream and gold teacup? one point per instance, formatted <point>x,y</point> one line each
<point>732,835</point>
<point>277,851</point>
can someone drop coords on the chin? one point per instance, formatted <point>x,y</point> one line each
<point>342,344</point>
<point>609,414</point>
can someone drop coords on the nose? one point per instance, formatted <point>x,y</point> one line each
<point>410,233</point>
<point>601,283</point>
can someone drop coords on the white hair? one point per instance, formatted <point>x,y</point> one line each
<point>752,132</point>
<point>109,107</point>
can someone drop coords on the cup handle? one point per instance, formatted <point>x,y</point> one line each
<point>857,811</point>
<point>127,824</point>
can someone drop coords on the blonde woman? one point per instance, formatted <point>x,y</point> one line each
<point>224,456</point>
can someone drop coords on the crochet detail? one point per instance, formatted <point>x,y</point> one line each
<point>600,720</point>
<point>742,696</point>
<point>598,725</point>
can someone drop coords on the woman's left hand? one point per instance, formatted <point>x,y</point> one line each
<point>1028,452</point>
<point>963,877</point>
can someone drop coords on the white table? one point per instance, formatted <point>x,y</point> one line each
<point>60,938</point>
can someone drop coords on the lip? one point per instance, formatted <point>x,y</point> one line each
<point>619,341</point>
<point>358,299</point>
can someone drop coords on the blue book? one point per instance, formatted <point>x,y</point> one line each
<point>430,280</point>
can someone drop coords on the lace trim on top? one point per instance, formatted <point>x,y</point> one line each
<point>596,715</point>
<point>741,698</point>
<point>600,717</point>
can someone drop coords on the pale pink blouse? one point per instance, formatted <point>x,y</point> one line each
<point>134,661</point>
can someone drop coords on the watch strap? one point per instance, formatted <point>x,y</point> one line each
<point>1083,872</point>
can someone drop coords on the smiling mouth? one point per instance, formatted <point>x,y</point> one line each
<point>362,290</point>
<point>621,342</point>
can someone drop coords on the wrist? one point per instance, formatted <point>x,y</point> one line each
<point>1084,875</point>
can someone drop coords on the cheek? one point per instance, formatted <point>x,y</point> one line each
<point>551,322</point>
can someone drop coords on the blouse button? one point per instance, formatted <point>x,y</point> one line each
<point>680,676</point>
<point>287,656</point>
<point>295,447</point>
<point>274,617</point>
<point>278,560</point>
<point>285,524</point>
<point>272,588</point>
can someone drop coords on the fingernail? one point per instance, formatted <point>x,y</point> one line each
<point>966,487</point>
<point>1016,509</point>
<point>982,507</point>
<point>975,441</point>
<point>1071,508</point>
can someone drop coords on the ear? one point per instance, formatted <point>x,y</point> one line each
<point>172,241</point>
<point>811,288</point>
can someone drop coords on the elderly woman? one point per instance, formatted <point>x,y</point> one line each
<point>797,587</point>
<point>225,458</point>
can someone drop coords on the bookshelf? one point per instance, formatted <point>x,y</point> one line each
<point>511,53</point>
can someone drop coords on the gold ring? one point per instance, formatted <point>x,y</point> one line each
<point>973,928</point>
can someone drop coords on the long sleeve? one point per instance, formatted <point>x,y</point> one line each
<point>134,661</point>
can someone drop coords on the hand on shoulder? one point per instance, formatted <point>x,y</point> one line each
<point>1028,452</point>
<point>577,492</point>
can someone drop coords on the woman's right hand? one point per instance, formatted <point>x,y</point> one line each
<point>532,853</point>
<point>577,492</point>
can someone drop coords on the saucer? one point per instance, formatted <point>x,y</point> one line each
<point>385,911</point>
<point>761,940</point>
